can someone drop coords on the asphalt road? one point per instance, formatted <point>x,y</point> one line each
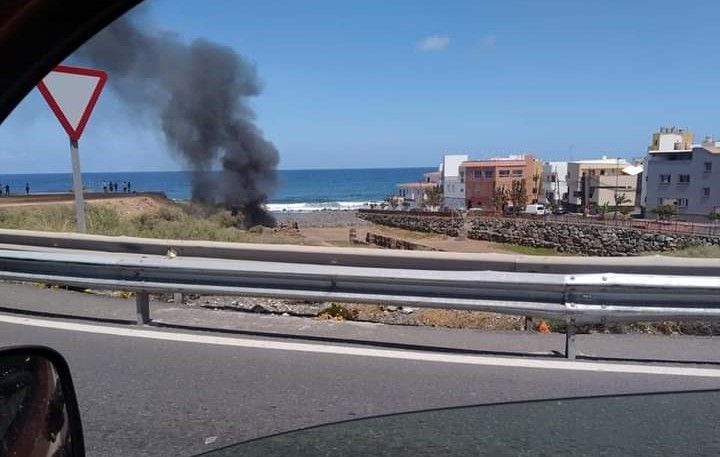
<point>145,396</point>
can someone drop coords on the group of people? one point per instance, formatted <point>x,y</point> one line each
<point>5,190</point>
<point>109,186</point>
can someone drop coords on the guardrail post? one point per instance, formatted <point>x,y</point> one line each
<point>178,298</point>
<point>570,349</point>
<point>142,305</point>
<point>529,324</point>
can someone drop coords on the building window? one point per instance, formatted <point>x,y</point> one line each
<point>478,173</point>
<point>552,178</point>
<point>706,192</point>
<point>462,177</point>
<point>664,179</point>
<point>489,173</point>
<point>684,179</point>
<point>504,173</point>
<point>708,167</point>
<point>682,202</point>
<point>517,172</point>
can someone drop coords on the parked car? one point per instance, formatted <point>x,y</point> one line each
<point>536,209</point>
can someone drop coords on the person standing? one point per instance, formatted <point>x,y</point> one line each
<point>7,189</point>
<point>129,186</point>
<point>27,188</point>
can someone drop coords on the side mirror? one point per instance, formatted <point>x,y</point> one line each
<point>39,415</point>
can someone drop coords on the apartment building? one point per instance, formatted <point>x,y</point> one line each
<point>593,183</point>
<point>482,177</point>
<point>682,174</point>
<point>554,187</point>
<point>453,188</point>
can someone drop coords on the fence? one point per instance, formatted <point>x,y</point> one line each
<point>575,298</point>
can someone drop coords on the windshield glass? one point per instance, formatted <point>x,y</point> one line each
<point>649,425</point>
<point>237,219</point>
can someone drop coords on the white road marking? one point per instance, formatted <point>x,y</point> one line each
<point>321,348</point>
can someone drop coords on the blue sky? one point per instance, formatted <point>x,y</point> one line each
<point>387,84</point>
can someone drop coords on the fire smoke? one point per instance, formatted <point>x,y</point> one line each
<point>198,93</point>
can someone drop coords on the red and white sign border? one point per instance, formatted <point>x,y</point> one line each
<point>74,133</point>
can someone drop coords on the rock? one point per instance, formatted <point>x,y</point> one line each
<point>408,309</point>
<point>576,238</point>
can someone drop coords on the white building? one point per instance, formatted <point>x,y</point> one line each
<point>413,194</point>
<point>554,182</point>
<point>452,184</point>
<point>597,182</point>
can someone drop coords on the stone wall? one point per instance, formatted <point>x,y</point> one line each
<point>582,239</point>
<point>430,224</point>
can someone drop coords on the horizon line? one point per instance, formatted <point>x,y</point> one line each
<point>189,171</point>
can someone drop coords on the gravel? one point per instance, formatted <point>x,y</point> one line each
<point>329,218</point>
<point>385,314</point>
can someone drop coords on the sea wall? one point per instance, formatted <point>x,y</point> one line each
<point>574,238</point>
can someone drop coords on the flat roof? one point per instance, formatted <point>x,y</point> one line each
<point>616,161</point>
<point>418,185</point>
<point>494,163</point>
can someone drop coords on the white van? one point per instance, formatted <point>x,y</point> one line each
<point>535,209</point>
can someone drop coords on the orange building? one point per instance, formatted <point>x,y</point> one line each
<point>482,177</point>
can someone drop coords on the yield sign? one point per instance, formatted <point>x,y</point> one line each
<point>72,93</point>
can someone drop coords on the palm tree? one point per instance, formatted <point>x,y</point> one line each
<point>620,199</point>
<point>433,197</point>
<point>518,194</point>
<point>500,199</point>
<point>537,183</point>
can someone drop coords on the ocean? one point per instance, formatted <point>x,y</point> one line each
<point>298,190</point>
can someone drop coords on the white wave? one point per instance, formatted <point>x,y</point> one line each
<point>306,207</point>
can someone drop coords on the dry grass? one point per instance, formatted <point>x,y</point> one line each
<point>697,251</point>
<point>147,218</point>
<point>467,319</point>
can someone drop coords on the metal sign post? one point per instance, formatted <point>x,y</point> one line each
<point>71,93</point>
<point>77,187</point>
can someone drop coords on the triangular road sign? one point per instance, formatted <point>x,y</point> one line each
<point>72,93</point>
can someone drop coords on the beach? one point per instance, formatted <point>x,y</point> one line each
<point>323,218</point>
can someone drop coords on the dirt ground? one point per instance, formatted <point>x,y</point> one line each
<point>339,236</point>
<point>327,228</point>
<point>133,206</point>
<point>136,202</point>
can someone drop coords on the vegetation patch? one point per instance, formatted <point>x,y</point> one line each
<point>167,221</point>
<point>338,312</point>
<point>698,251</point>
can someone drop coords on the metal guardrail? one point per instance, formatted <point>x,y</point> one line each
<point>360,257</point>
<point>574,298</point>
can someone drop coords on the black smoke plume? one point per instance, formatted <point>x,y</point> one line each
<point>198,92</point>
